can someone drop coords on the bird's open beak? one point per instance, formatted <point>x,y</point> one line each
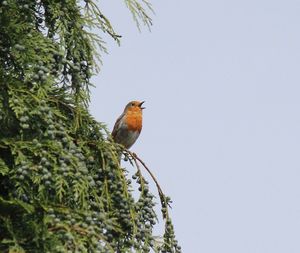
<point>140,105</point>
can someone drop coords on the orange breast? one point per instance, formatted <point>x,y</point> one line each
<point>134,119</point>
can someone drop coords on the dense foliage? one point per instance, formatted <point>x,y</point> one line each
<point>61,185</point>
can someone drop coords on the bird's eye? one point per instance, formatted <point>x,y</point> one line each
<point>132,104</point>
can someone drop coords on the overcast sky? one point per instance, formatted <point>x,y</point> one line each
<point>222,124</point>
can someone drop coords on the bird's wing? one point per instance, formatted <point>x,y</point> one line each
<point>117,125</point>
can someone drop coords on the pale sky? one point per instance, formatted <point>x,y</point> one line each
<point>222,124</point>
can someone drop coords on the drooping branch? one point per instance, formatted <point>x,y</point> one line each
<point>163,199</point>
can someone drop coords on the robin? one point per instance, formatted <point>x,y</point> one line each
<point>129,125</point>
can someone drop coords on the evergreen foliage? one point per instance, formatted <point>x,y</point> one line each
<point>61,186</point>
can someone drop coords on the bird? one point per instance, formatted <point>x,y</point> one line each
<point>129,125</point>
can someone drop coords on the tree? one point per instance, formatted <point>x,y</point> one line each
<point>61,185</point>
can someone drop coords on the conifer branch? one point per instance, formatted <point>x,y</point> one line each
<point>162,196</point>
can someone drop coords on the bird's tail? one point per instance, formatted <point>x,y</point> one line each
<point>119,157</point>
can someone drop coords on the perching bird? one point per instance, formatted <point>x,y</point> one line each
<point>129,125</point>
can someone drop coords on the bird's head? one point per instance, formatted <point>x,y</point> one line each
<point>134,106</point>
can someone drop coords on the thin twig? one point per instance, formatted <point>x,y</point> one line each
<point>162,196</point>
